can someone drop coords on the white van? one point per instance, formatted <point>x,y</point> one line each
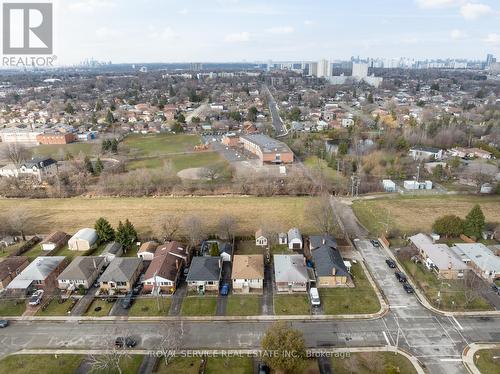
<point>314,296</point>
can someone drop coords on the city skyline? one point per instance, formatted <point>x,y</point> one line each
<point>231,30</point>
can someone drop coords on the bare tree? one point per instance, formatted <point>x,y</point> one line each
<point>171,342</point>
<point>16,153</point>
<point>167,226</point>
<point>212,172</point>
<point>472,286</point>
<point>19,220</point>
<point>108,360</point>
<point>227,226</point>
<point>193,227</point>
<point>321,214</point>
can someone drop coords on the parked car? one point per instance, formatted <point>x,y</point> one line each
<point>390,263</point>
<point>314,296</point>
<point>264,369</point>
<point>224,291</point>
<point>137,289</point>
<point>400,276</point>
<point>3,323</point>
<point>408,288</point>
<point>375,243</point>
<point>127,301</point>
<point>495,288</point>
<point>128,342</point>
<point>36,298</point>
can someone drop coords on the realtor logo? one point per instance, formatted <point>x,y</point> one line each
<point>27,28</point>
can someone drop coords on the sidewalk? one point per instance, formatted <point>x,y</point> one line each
<point>469,353</point>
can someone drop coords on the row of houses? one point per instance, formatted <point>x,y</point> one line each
<point>454,262</point>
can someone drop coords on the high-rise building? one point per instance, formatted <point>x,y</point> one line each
<point>490,59</point>
<point>359,69</point>
<point>313,69</point>
<point>324,69</point>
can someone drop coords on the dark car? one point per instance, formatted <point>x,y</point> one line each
<point>401,277</point>
<point>224,291</point>
<point>408,288</point>
<point>126,302</point>
<point>495,288</point>
<point>264,369</point>
<point>137,289</point>
<point>3,323</point>
<point>375,243</point>
<point>390,263</point>
<point>128,342</point>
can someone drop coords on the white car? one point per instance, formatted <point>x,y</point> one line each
<point>314,296</point>
<point>36,298</point>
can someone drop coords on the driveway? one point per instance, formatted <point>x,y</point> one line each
<point>117,309</point>
<point>267,296</point>
<point>226,279</point>
<point>177,298</point>
<point>83,304</point>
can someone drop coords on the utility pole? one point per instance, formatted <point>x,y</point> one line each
<point>418,172</point>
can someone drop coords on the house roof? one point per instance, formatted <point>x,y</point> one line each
<point>294,233</point>
<point>204,268</point>
<point>39,162</point>
<point>166,266</point>
<point>316,241</point>
<point>87,234</point>
<point>440,254</point>
<point>10,264</point>
<point>426,149</point>
<point>248,267</point>
<point>39,269</point>
<point>326,259</point>
<point>121,269</point>
<point>290,268</point>
<point>173,247</point>
<point>81,268</point>
<point>112,248</point>
<point>481,255</point>
<point>149,247</point>
<point>259,233</point>
<point>56,237</point>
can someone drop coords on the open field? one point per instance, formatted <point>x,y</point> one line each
<point>487,360</point>
<point>72,214</point>
<point>158,145</point>
<point>179,161</point>
<point>413,214</point>
<point>57,151</point>
<point>372,363</point>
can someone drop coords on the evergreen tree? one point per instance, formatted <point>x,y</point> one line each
<point>474,222</point>
<point>88,165</point>
<point>109,117</point>
<point>214,249</point>
<point>105,231</point>
<point>449,226</point>
<point>99,166</point>
<point>126,234</point>
<point>114,146</point>
<point>106,145</point>
<point>69,109</point>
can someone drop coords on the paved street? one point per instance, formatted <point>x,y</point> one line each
<point>278,124</point>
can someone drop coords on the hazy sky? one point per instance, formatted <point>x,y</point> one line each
<point>237,30</point>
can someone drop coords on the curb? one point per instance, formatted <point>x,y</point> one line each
<point>470,350</point>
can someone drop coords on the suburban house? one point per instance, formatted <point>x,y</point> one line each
<point>248,273</point>
<point>39,168</point>
<point>438,257</point>
<point>294,239</point>
<point>316,241</point>
<point>10,267</point>
<point>329,267</point>
<point>82,271</point>
<point>290,273</point>
<point>121,274</point>
<point>260,238</point>
<point>175,249</point>
<point>42,273</point>
<point>147,250</point>
<point>7,241</point>
<point>162,274</point>
<point>56,239</point>
<point>282,238</point>
<point>83,240</point>
<point>112,251</point>
<point>204,274</point>
<point>426,153</point>
<point>480,258</point>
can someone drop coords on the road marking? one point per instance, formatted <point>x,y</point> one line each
<point>398,306</point>
<point>451,359</point>
<point>385,336</point>
<point>458,324</point>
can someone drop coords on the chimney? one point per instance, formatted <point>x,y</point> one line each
<point>323,240</point>
<point>176,264</point>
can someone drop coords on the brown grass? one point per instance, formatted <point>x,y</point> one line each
<point>252,212</point>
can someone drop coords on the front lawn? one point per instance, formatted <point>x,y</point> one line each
<point>12,307</point>
<point>243,305</point>
<point>452,294</point>
<point>215,365</point>
<point>487,360</point>
<point>291,304</point>
<point>148,306</point>
<point>358,300</point>
<point>199,306</point>
<point>40,364</point>
<point>372,363</point>
<point>105,308</point>
<point>56,307</point>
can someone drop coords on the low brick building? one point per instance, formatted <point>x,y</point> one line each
<point>53,138</point>
<point>269,150</point>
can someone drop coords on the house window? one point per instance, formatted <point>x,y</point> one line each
<point>104,282</point>
<point>210,283</point>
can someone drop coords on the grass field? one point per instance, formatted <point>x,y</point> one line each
<point>58,151</point>
<point>160,145</point>
<point>199,306</point>
<point>358,300</point>
<point>12,307</point>
<point>103,304</point>
<point>372,363</point>
<point>55,308</point>
<point>70,215</point>
<point>243,305</point>
<point>149,307</point>
<point>291,305</point>
<point>40,364</point>
<point>179,162</point>
<point>215,365</point>
<point>452,295</point>
<point>413,214</point>
<point>70,254</point>
<point>487,360</point>
<point>319,166</point>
